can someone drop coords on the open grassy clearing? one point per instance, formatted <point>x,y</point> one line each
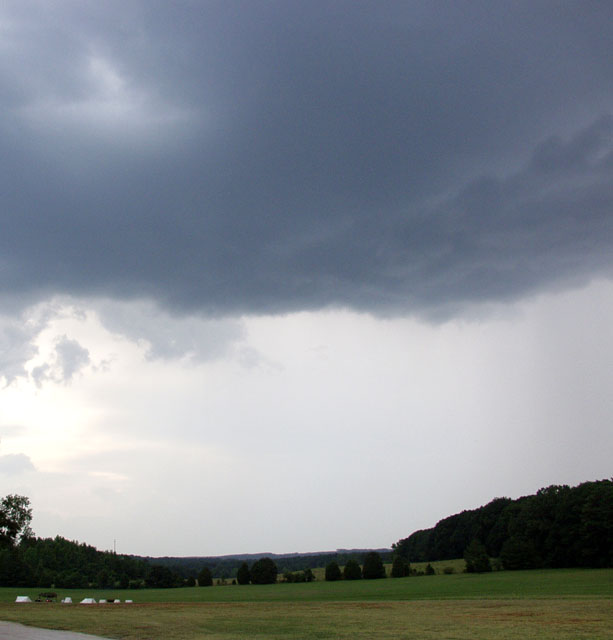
<point>553,604</point>
<point>499,584</point>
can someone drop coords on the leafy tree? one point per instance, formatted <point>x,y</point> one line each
<point>243,575</point>
<point>102,580</point>
<point>476,558</point>
<point>373,566</point>
<point>400,568</point>
<point>70,580</point>
<point>333,572</point>
<point>352,570</point>
<point>160,577</point>
<point>13,571</point>
<point>205,579</point>
<point>15,518</point>
<point>429,570</point>
<point>264,571</point>
<point>190,581</point>
<point>43,578</point>
<point>519,553</point>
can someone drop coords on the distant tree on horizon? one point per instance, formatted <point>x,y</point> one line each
<point>352,571</point>
<point>333,571</point>
<point>400,568</point>
<point>205,579</point>
<point>373,566</point>
<point>243,575</point>
<point>264,571</point>
<point>161,577</point>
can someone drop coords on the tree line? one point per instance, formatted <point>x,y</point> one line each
<point>559,526</point>
<point>226,567</point>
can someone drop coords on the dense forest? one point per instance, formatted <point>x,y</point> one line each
<point>60,563</point>
<point>559,526</point>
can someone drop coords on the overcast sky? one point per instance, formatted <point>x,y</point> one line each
<point>294,276</point>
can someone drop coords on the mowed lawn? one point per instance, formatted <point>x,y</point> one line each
<point>558,604</point>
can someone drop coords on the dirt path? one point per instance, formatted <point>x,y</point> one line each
<point>14,631</point>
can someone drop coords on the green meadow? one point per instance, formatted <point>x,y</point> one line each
<point>549,604</point>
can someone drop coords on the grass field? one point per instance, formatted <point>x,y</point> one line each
<point>560,605</point>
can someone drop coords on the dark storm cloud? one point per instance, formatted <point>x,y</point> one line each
<point>237,157</point>
<point>16,347</point>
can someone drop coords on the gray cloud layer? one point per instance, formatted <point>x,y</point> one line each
<point>237,157</point>
<point>15,464</point>
<point>69,357</point>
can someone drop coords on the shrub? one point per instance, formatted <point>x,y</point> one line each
<point>429,570</point>
<point>448,570</point>
<point>299,576</point>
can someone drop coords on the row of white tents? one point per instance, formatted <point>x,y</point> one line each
<point>84,601</point>
<point>101,601</point>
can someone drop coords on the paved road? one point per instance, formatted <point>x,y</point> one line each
<point>13,631</point>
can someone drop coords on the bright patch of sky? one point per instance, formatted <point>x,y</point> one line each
<point>306,418</point>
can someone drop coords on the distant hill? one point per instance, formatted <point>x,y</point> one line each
<point>226,566</point>
<point>559,526</point>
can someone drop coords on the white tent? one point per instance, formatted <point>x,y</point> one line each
<point>67,600</point>
<point>23,599</point>
<point>128,601</point>
<point>88,601</point>
<point>116,601</point>
<point>102,601</point>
